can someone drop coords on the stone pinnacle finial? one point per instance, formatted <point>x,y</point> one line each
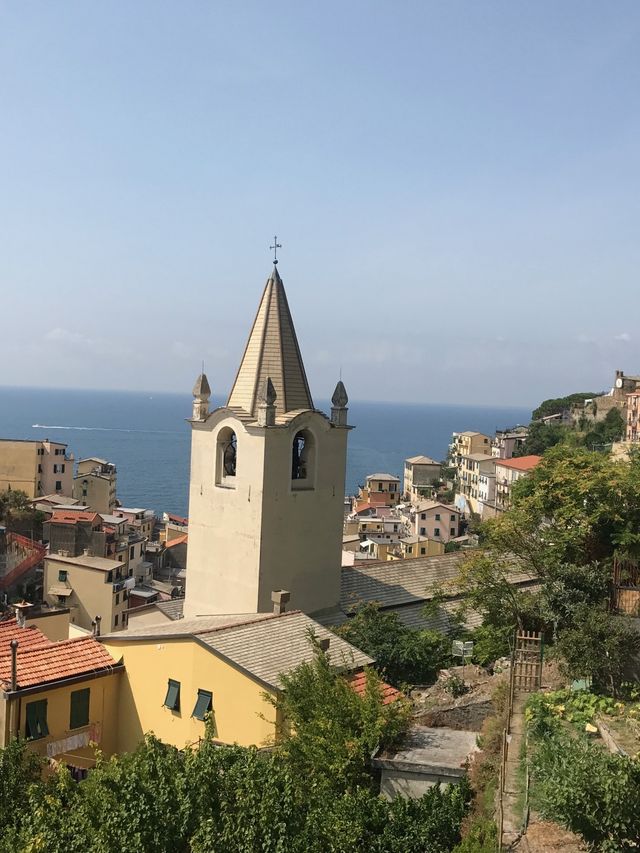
<point>340,398</point>
<point>339,405</point>
<point>266,403</point>
<point>267,394</point>
<point>201,395</point>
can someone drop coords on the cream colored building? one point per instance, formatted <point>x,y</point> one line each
<point>470,470</point>
<point>508,472</point>
<point>35,467</point>
<point>437,521</point>
<point>90,587</point>
<point>95,484</point>
<point>266,501</point>
<point>419,475</point>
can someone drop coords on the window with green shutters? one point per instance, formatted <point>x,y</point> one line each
<point>172,699</point>
<point>203,704</point>
<point>37,719</point>
<point>79,708</point>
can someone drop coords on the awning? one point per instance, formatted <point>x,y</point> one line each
<point>63,591</point>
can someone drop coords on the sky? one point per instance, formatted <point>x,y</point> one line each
<point>454,184</point>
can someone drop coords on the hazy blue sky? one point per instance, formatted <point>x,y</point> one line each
<point>455,185</point>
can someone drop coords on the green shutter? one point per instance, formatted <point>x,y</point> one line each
<point>37,719</point>
<point>79,708</point>
<point>203,704</point>
<point>172,699</point>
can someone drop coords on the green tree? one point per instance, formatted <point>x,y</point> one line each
<point>599,644</point>
<point>557,405</point>
<point>402,655</point>
<point>328,732</point>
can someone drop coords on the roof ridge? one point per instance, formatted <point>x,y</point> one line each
<point>265,618</point>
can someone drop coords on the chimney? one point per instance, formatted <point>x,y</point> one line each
<point>87,552</point>
<point>14,665</point>
<point>98,620</point>
<point>280,598</point>
<point>323,644</point>
<point>21,613</point>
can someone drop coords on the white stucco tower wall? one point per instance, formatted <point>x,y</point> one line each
<point>267,482</point>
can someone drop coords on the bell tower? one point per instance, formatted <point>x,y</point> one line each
<point>267,480</point>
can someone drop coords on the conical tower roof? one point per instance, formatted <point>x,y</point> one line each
<point>272,351</point>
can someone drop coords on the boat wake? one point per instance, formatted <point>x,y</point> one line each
<point>106,429</point>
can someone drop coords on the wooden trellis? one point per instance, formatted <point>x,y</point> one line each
<point>527,670</point>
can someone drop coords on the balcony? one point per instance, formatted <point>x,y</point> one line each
<point>123,583</point>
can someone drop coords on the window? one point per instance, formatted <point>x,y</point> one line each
<point>203,705</point>
<point>423,516</point>
<point>117,598</point>
<point>115,621</point>
<point>39,469</point>
<point>423,550</point>
<point>172,699</point>
<point>58,485</point>
<point>132,552</point>
<point>437,516</point>
<point>226,456</point>
<point>62,471</point>
<point>436,531</point>
<point>410,549</point>
<point>109,577</point>
<point>379,487</point>
<point>423,531</point>
<point>79,710</point>
<point>453,518</point>
<point>37,719</point>
<point>452,531</point>
<point>62,575</point>
<point>302,459</point>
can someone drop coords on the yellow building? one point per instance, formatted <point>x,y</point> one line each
<point>94,484</point>
<point>60,696</point>
<point>35,467</point>
<point>90,587</point>
<point>419,546</point>
<point>419,474</point>
<point>465,443</point>
<point>177,672</point>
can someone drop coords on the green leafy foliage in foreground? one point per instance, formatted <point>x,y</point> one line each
<point>596,794</point>
<point>576,781</point>
<point>314,793</point>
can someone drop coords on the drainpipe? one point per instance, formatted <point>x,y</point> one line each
<point>14,665</point>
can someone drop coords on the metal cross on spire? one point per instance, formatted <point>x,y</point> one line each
<point>275,248</point>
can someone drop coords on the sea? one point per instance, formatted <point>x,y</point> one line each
<point>145,435</point>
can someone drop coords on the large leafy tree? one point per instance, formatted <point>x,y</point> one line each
<point>402,654</point>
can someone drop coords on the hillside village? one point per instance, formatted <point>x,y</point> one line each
<point>116,623</point>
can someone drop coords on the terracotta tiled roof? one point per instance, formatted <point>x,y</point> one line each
<point>520,463</point>
<point>179,540</point>
<point>41,661</point>
<point>61,517</point>
<point>179,519</point>
<point>358,683</point>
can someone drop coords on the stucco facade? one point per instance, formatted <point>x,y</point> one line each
<point>35,467</point>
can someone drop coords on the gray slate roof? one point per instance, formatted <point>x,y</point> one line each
<point>264,645</point>
<point>173,609</point>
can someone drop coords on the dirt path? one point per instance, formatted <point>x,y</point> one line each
<point>512,798</point>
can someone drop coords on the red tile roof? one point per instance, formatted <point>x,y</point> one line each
<point>520,463</point>
<point>179,519</point>
<point>41,661</point>
<point>178,540</point>
<point>62,517</point>
<point>358,683</point>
